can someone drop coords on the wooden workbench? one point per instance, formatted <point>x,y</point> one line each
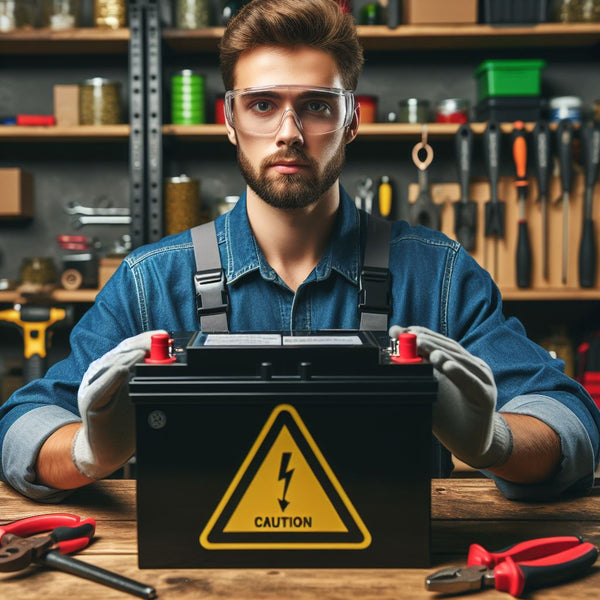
<point>463,511</point>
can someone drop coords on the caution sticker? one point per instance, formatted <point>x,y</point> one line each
<point>285,497</point>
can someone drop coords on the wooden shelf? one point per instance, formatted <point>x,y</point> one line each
<point>58,295</point>
<point>81,133</point>
<point>85,40</point>
<point>426,37</point>
<point>367,131</point>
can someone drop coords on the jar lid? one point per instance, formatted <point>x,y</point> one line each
<point>187,73</point>
<point>452,105</point>
<point>413,102</point>
<point>179,179</point>
<point>231,199</point>
<point>565,102</point>
<point>100,81</point>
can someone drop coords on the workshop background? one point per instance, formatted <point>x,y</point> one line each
<point>111,137</point>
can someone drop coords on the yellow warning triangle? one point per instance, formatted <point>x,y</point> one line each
<point>285,496</point>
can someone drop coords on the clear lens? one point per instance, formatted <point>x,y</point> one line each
<point>316,110</point>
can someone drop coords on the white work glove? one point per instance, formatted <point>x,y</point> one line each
<point>106,439</point>
<point>465,420</point>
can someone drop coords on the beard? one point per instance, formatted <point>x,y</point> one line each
<point>291,190</point>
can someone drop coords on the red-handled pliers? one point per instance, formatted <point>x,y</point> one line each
<point>517,569</point>
<point>69,533</point>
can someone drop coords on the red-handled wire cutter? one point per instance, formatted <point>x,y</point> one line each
<point>69,533</point>
<point>517,569</point>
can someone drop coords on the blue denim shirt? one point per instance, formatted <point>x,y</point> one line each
<point>435,284</point>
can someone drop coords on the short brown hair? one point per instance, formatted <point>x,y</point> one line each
<point>320,24</point>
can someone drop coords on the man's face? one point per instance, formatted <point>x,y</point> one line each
<point>289,168</point>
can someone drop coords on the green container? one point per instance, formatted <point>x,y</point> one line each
<point>509,78</point>
<point>187,98</point>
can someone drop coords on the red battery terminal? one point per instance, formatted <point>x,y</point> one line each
<point>161,350</point>
<point>405,349</point>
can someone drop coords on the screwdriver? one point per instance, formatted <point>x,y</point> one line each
<point>564,134</point>
<point>523,246</point>
<point>590,134</point>
<point>542,156</point>
<point>494,208</point>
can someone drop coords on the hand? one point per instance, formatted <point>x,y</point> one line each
<point>106,439</point>
<point>464,417</point>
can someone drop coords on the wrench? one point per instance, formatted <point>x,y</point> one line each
<point>74,208</point>
<point>100,220</point>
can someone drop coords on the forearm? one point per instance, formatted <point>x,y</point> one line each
<point>55,466</point>
<point>536,453</point>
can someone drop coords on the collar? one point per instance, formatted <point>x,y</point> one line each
<point>343,253</point>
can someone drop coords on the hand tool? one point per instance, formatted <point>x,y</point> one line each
<point>465,211</point>
<point>385,197</point>
<point>590,133</point>
<point>533,564</point>
<point>100,220</point>
<point>74,208</point>
<point>35,323</point>
<point>523,245</point>
<point>69,533</point>
<point>564,135</point>
<point>494,208</point>
<point>364,194</point>
<point>423,211</point>
<point>543,167</point>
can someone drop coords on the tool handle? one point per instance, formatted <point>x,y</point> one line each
<point>587,255</point>
<point>34,368</point>
<point>492,145</point>
<point>523,256</point>
<point>464,152</point>
<point>70,539</point>
<point>517,578</point>
<point>590,137</point>
<point>79,568</point>
<point>542,156</point>
<point>564,136</point>
<point>528,550</point>
<point>519,149</point>
<point>385,197</point>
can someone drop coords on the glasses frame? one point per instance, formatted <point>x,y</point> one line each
<point>348,95</point>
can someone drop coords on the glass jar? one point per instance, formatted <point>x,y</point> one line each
<point>110,14</point>
<point>182,204</point>
<point>413,110</point>
<point>567,11</point>
<point>590,11</point>
<point>99,102</point>
<point>224,205</point>
<point>38,270</point>
<point>192,14</point>
<point>187,98</point>
<point>452,110</point>
<point>60,14</point>
<point>17,14</point>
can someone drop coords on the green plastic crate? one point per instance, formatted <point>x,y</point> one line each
<point>509,78</point>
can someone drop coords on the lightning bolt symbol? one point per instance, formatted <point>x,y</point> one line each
<point>286,475</point>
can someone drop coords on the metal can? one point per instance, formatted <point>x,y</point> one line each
<point>100,102</point>
<point>15,14</point>
<point>368,108</point>
<point>187,98</point>
<point>182,204</point>
<point>565,107</point>
<point>110,14</point>
<point>60,14</point>
<point>224,205</point>
<point>413,110</point>
<point>192,14</point>
<point>452,110</point>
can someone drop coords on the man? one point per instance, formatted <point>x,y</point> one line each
<point>291,250</point>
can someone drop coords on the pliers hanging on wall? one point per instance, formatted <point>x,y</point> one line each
<point>525,566</point>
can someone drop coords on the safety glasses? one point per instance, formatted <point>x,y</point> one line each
<point>315,110</point>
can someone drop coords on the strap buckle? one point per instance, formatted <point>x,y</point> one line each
<point>211,292</point>
<point>374,294</point>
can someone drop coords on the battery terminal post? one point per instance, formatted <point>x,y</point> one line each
<point>404,349</point>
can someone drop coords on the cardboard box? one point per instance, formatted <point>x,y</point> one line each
<point>16,194</point>
<point>66,105</point>
<point>107,267</point>
<point>438,12</point>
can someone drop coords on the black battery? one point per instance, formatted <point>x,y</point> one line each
<point>283,450</point>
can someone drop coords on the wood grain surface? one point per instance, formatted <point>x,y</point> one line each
<point>463,511</point>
